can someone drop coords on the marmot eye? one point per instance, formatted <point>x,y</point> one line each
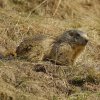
<point>77,35</point>
<point>71,34</point>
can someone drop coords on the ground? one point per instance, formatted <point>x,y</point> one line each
<point>24,80</point>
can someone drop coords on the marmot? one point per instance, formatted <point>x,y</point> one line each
<point>62,50</point>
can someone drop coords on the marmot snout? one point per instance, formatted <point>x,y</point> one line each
<point>62,50</point>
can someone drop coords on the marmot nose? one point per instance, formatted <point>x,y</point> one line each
<point>86,41</point>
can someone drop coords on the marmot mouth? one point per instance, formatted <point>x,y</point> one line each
<point>83,42</point>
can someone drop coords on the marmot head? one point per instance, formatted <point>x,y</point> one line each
<point>78,37</point>
<point>74,38</point>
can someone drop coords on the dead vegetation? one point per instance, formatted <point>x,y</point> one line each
<point>22,80</point>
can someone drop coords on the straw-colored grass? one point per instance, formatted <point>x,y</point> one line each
<point>22,80</point>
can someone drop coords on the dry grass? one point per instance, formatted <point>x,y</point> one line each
<point>22,80</point>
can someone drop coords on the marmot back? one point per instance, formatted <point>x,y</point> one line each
<point>34,48</point>
<point>62,50</point>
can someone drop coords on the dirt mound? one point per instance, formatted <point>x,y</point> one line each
<point>44,81</point>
